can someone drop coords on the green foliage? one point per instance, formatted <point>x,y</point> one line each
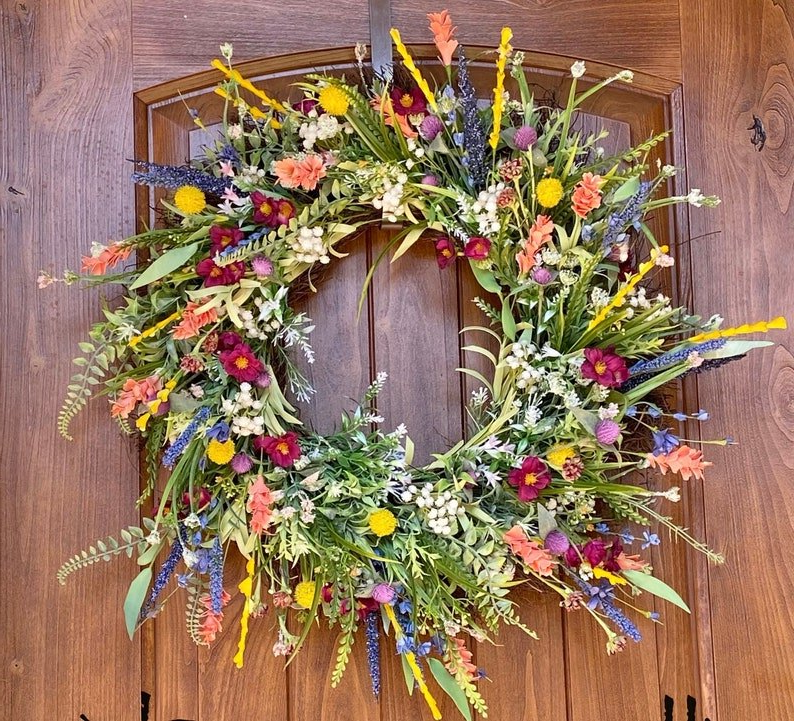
<point>132,539</point>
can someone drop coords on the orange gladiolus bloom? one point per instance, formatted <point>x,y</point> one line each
<point>107,258</point>
<point>304,173</point>
<point>587,194</point>
<point>539,235</point>
<point>191,322</point>
<point>684,460</point>
<point>443,35</point>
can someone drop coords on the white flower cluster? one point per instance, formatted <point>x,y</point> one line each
<point>309,247</point>
<point>639,301</point>
<point>316,128</point>
<point>390,203</point>
<point>440,509</point>
<point>239,408</point>
<point>249,176</point>
<point>485,209</point>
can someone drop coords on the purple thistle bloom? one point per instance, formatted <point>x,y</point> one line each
<point>607,431</point>
<point>263,267</point>
<point>177,448</point>
<point>542,275</point>
<point>163,576</point>
<point>664,441</point>
<point>373,651</point>
<point>383,593</point>
<point>430,180</point>
<point>174,176</point>
<point>431,127</point>
<point>242,463</point>
<point>525,136</point>
<point>216,576</point>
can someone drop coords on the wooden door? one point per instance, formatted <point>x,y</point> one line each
<point>703,68</point>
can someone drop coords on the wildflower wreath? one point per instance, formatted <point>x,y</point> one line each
<point>345,526</point>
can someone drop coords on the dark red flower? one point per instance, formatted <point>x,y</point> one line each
<point>573,556</point>
<point>445,252</point>
<point>265,208</point>
<point>222,238</point>
<point>611,561</point>
<point>594,551</point>
<point>306,105</point>
<point>477,248</point>
<point>604,367</point>
<point>285,213</point>
<point>365,607</point>
<point>201,497</point>
<point>215,274</point>
<point>282,450</point>
<point>408,102</point>
<point>241,363</point>
<point>532,477</point>
<point>327,593</point>
<point>228,340</point>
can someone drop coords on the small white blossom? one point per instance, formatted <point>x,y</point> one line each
<point>695,198</point>
<point>153,538</point>
<point>578,69</point>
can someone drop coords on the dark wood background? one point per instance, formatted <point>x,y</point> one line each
<point>69,71</point>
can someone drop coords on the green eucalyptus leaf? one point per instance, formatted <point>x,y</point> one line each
<point>626,190</point>
<point>135,598</point>
<point>653,585</point>
<point>167,263</point>
<point>450,686</point>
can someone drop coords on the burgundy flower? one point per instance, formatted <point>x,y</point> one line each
<point>306,105</point>
<point>285,213</point>
<point>365,607</point>
<point>228,339</point>
<point>530,478</point>
<point>611,561</point>
<point>573,556</point>
<point>604,367</point>
<point>282,450</point>
<point>477,248</point>
<point>201,497</point>
<point>222,238</point>
<point>327,593</point>
<point>445,252</point>
<point>215,274</point>
<point>265,209</point>
<point>594,551</point>
<point>408,102</point>
<point>241,364</point>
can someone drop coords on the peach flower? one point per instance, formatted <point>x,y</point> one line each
<point>443,35</point>
<point>684,460</point>
<point>630,563</point>
<point>107,258</point>
<point>530,552</point>
<point>191,322</point>
<point>539,235</point>
<point>134,392</point>
<point>304,173</point>
<point>587,194</point>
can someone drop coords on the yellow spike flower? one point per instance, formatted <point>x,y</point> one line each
<point>235,76</point>
<point>154,329</point>
<point>247,589</point>
<point>498,91</point>
<point>762,326</point>
<point>410,66</point>
<point>599,572</point>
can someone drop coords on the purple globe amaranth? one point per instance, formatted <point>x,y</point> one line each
<point>542,275</point>
<point>525,137</point>
<point>556,542</point>
<point>430,180</point>
<point>430,127</point>
<point>242,463</point>
<point>383,593</point>
<point>607,431</point>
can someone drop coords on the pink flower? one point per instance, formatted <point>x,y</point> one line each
<point>587,194</point>
<point>215,274</point>
<point>192,322</point>
<point>530,478</point>
<point>259,505</point>
<point>134,392</point>
<point>477,248</point>
<point>604,367</point>
<point>226,169</point>
<point>107,258</point>
<point>242,463</point>
<point>263,267</point>
<point>607,431</point>
<point>383,593</point>
<point>241,363</point>
<point>282,450</point>
<point>445,252</point>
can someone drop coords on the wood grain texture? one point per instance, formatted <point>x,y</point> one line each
<point>173,39</point>
<point>636,35</point>
<point>744,273</point>
<point>63,184</point>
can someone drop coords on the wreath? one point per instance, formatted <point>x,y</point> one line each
<point>345,526</point>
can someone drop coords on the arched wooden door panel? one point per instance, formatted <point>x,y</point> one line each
<point>409,327</point>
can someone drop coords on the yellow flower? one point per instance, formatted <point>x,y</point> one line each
<point>557,455</point>
<point>190,199</point>
<point>549,192</point>
<point>333,100</point>
<point>304,593</point>
<point>382,522</point>
<point>599,572</point>
<point>220,453</point>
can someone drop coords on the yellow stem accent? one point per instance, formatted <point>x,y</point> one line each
<point>498,91</point>
<point>155,328</point>
<point>762,326</point>
<point>248,85</point>
<point>411,659</point>
<point>246,588</point>
<point>410,66</point>
<point>620,296</point>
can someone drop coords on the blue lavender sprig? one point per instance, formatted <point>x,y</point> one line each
<point>621,621</point>
<point>373,651</point>
<point>216,576</point>
<point>163,576</point>
<point>630,214</point>
<point>675,356</point>
<point>174,176</point>
<point>178,446</point>
<point>473,131</point>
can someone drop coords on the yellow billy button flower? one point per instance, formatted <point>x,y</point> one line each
<point>304,593</point>
<point>220,452</point>
<point>333,100</point>
<point>189,199</point>
<point>557,455</point>
<point>549,192</point>
<point>382,522</point>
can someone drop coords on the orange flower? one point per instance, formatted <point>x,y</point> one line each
<point>260,500</point>
<point>134,392</point>
<point>107,258</point>
<point>191,322</point>
<point>684,460</point>
<point>384,105</point>
<point>306,173</point>
<point>630,563</point>
<point>587,194</point>
<point>443,35</point>
<point>530,552</point>
<point>539,235</point>
<point>466,657</point>
<point>210,625</point>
